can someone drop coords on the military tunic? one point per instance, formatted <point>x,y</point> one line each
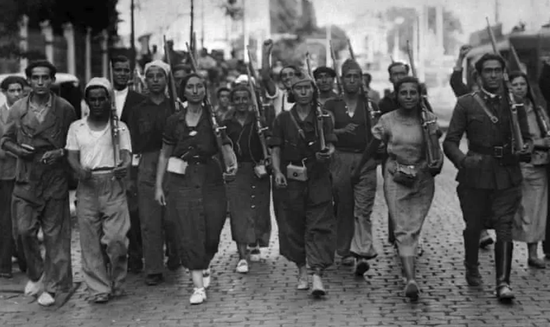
<point>495,184</point>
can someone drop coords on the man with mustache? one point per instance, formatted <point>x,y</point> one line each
<point>146,124</point>
<point>489,176</point>
<point>354,203</point>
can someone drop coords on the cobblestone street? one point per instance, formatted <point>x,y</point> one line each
<point>267,297</point>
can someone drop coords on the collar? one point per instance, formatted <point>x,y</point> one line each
<point>233,117</point>
<point>310,117</point>
<point>48,103</point>
<point>122,92</point>
<point>150,101</point>
<point>488,94</point>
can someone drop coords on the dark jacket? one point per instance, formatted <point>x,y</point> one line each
<point>470,118</point>
<point>33,178</point>
<point>388,103</point>
<point>132,100</point>
<point>544,84</point>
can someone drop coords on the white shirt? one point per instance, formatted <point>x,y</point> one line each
<point>280,101</point>
<point>120,100</point>
<point>96,148</point>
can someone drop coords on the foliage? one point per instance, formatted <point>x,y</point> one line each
<point>97,14</point>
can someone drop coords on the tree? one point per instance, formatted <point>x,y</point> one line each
<point>97,14</point>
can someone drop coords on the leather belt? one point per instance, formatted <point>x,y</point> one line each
<point>498,152</point>
<point>350,150</point>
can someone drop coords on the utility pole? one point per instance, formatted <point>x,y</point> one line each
<point>133,35</point>
<point>202,24</point>
<point>192,30</point>
<point>497,11</point>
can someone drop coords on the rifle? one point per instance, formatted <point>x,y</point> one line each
<point>542,116</point>
<point>333,56</point>
<point>137,83</point>
<point>172,90</point>
<point>374,114</point>
<point>318,108</point>
<point>517,138</point>
<point>260,169</point>
<point>228,161</point>
<point>429,126</point>
<point>114,124</point>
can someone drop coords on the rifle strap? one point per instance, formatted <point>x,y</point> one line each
<point>488,112</point>
<point>300,130</point>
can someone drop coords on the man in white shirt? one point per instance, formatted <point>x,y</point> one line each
<point>279,96</point>
<point>126,100</point>
<point>102,211</point>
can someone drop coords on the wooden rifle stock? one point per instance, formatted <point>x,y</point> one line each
<point>172,90</point>
<point>261,130</point>
<point>319,110</point>
<point>429,125</point>
<point>227,161</point>
<point>114,124</point>
<point>333,56</point>
<point>518,142</point>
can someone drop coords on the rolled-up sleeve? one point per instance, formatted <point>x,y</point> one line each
<point>277,136</point>
<point>169,135</point>
<point>328,126</point>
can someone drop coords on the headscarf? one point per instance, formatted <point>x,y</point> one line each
<point>157,63</point>
<point>99,82</point>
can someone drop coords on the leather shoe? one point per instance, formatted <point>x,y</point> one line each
<point>505,293</point>
<point>536,263</point>
<point>154,279</point>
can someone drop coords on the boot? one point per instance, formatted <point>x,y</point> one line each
<point>471,261</point>
<point>473,277</point>
<point>411,289</point>
<point>503,266</point>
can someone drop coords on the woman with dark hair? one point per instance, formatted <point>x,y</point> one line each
<point>249,193</point>
<point>408,181</point>
<point>530,219</point>
<point>195,198</point>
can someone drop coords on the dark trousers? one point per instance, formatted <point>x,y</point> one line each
<point>307,223</point>
<point>482,209</point>
<point>53,215</point>
<point>7,246</point>
<point>135,247</point>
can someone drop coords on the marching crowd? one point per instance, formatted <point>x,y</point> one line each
<point>158,174</point>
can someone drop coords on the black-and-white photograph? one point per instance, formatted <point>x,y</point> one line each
<point>274,163</point>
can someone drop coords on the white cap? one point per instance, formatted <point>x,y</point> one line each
<point>157,63</point>
<point>101,82</point>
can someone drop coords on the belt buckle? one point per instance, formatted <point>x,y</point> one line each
<point>498,151</point>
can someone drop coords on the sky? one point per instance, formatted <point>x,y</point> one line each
<point>171,17</point>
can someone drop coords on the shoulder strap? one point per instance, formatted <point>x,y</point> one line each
<point>493,118</point>
<point>300,130</point>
